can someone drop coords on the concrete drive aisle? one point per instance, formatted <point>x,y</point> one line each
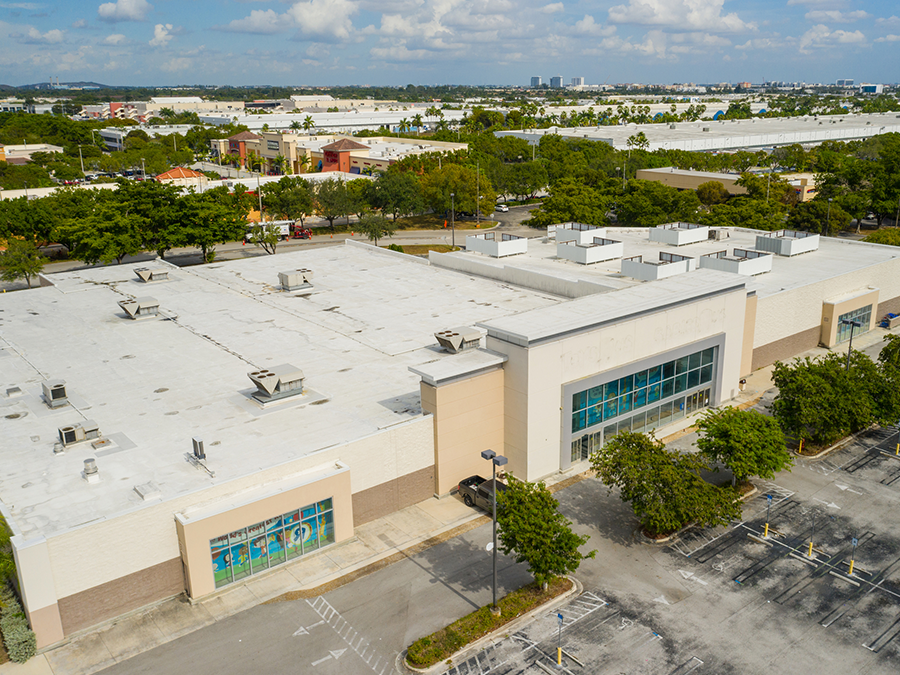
<point>375,545</point>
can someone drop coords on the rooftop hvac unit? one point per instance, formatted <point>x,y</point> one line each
<point>295,279</point>
<point>55,393</point>
<point>277,382</point>
<point>76,433</point>
<point>458,340</point>
<point>140,308</point>
<point>147,275</point>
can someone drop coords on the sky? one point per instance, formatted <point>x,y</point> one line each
<point>399,42</point>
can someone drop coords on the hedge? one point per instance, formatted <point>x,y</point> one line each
<point>18,637</point>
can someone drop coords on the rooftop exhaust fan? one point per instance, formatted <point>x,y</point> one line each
<point>91,472</point>
<point>458,340</point>
<point>140,308</point>
<point>147,275</point>
<point>55,393</point>
<point>76,433</point>
<point>294,280</point>
<point>277,382</point>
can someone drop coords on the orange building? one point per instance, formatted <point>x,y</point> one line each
<point>336,156</point>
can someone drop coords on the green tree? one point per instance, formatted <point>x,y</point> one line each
<point>648,203</point>
<point>889,236</point>
<point>821,401</point>
<point>375,226</point>
<point>470,193</point>
<point>358,201</point>
<point>530,527</point>
<point>331,199</point>
<point>396,193</point>
<point>288,198</point>
<point>210,219</point>
<point>712,192</point>
<point>816,216</point>
<point>265,236</point>
<point>754,214</point>
<point>22,259</point>
<point>571,200</point>
<point>105,235</point>
<point>747,442</point>
<point>664,487</point>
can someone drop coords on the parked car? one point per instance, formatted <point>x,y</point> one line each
<point>502,208</point>
<point>478,491</point>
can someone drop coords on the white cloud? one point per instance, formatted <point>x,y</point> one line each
<point>552,8</point>
<point>680,15</point>
<point>19,5</point>
<point>51,37</point>
<point>888,38</point>
<point>399,52</point>
<point>890,21</point>
<point>81,23</point>
<point>587,26</point>
<point>816,3</point>
<point>176,64</point>
<point>161,36</point>
<point>324,19</point>
<point>124,10</point>
<point>835,16</point>
<point>115,39</point>
<point>261,22</point>
<point>821,36</point>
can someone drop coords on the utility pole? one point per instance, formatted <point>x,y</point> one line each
<point>81,159</point>
<point>477,192</point>
<point>453,218</point>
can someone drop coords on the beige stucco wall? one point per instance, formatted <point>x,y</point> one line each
<point>468,418</point>
<point>832,309</point>
<point>534,376</point>
<point>33,565</point>
<point>799,310</point>
<point>749,330</point>
<point>87,557</point>
<point>196,527</point>
<point>684,181</point>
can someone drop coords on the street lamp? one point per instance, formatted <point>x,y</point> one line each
<point>853,324</point>
<point>828,219</point>
<point>496,460</point>
<point>452,218</point>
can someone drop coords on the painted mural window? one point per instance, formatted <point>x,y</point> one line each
<point>256,548</point>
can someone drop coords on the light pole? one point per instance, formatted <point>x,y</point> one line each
<point>143,170</point>
<point>259,194</point>
<point>828,219</point>
<point>496,460</point>
<point>453,218</point>
<point>853,324</point>
<point>477,192</point>
<point>81,159</point>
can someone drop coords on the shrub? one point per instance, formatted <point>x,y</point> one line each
<point>19,639</point>
<point>396,247</point>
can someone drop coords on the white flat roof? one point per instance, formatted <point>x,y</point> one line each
<point>835,257</point>
<point>152,384</point>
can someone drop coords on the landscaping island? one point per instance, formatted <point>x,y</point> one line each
<point>441,645</point>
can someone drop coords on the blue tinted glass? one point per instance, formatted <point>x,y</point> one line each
<point>668,370</point>
<point>640,379</point>
<point>681,365</point>
<point>668,388</point>
<point>625,384</point>
<point>706,357</point>
<point>653,393</point>
<point>594,415</point>
<point>706,374</point>
<point>578,421</point>
<point>578,400</point>
<point>694,361</point>
<point>654,375</point>
<point>610,409</point>
<point>610,390</point>
<point>693,379</point>
<point>595,395</point>
<point>680,383</point>
<point>625,403</point>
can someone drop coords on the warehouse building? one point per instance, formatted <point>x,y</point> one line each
<point>207,424</point>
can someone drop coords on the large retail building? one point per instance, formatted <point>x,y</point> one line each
<point>176,430</point>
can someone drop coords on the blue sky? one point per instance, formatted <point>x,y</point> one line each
<point>320,42</point>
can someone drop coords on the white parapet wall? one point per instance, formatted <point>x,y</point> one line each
<point>679,234</point>
<point>496,245</point>
<point>748,263</point>
<point>578,232</point>
<point>787,242</point>
<point>669,265</point>
<point>599,250</point>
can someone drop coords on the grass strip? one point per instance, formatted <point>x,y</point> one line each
<point>441,645</point>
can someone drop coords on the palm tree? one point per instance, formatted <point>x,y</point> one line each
<point>417,120</point>
<point>404,124</point>
<point>296,126</point>
<point>308,123</point>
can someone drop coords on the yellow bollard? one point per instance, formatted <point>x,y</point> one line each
<point>800,451</point>
<point>559,656</point>
<point>809,555</point>
<point>766,533</point>
<point>896,453</point>
<point>851,568</point>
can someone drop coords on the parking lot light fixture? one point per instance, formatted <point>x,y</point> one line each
<point>496,460</point>
<point>853,324</point>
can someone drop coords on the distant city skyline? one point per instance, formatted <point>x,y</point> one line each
<point>397,42</point>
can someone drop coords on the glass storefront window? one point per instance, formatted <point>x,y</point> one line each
<point>595,395</point>
<point>694,361</point>
<point>653,393</point>
<point>863,315</point>
<point>654,375</point>
<point>594,415</point>
<point>610,409</point>
<point>578,400</point>
<point>625,384</point>
<point>680,383</point>
<point>640,398</point>
<point>256,548</point>
<point>640,379</point>
<point>578,421</point>
<point>625,403</point>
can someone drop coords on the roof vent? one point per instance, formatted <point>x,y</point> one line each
<point>295,280</point>
<point>147,275</point>
<point>458,340</point>
<point>55,393</point>
<point>76,433</point>
<point>140,308</point>
<point>277,383</point>
<point>91,472</point>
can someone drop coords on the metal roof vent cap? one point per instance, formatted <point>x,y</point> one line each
<point>148,275</point>
<point>458,340</point>
<point>277,383</point>
<point>294,280</point>
<point>55,395</point>
<point>91,473</point>
<point>140,308</point>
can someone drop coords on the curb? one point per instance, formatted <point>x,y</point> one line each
<point>644,539</point>
<point>503,632</point>
<point>836,446</point>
